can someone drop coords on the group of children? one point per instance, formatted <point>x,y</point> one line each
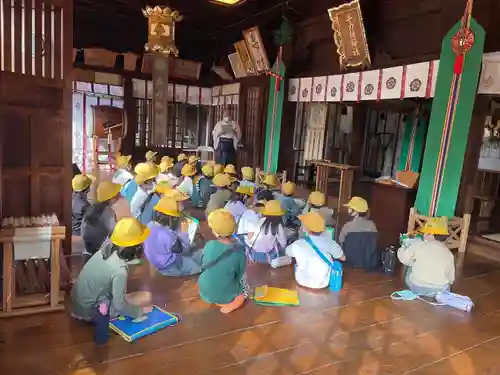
<point>250,222</point>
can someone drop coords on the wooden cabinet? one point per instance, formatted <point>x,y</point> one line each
<point>389,209</point>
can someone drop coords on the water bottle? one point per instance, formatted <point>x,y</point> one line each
<point>101,327</point>
<point>336,277</point>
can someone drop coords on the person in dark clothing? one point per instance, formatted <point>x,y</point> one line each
<point>79,203</point>
<point>226,136</point>
<point>182,160</point>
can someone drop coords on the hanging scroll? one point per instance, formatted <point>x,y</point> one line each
<point>242,50</point>
<point>349,35</point>
<point>256,49</point>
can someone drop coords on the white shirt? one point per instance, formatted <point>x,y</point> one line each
<point>311,271</point>
<point>264,242</point>
<point>122,176</point>
<point>186,186</point>
<point>249,222</point>
<point>169,177</point>
<point>226,129</point>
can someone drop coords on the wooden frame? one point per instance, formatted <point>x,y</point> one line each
<point>34,303</point>
<point>458,228</point>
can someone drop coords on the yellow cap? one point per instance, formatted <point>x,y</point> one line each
<point>150,155</point>
<point>107,190</point>
<point>165,165</point>
<point>246,190</point>
<point>273,208</point>
<point>145,171</point>
<point>182,156</point>
<point>193,159</point>
<point>313,222</point>
<point>129,232</point>
<point>82,182</point>
<point>230,169</point>
<point>163,187</point>
<point>218,168</point>
<point>123,161</point>
<point>270,180</point>
<point>167,159</point>
<point>176,195</point>
<point>288,188</point>
<point>168,206</point>
<point>357,204</point>
<point>208,170</point>
<point>222,180</point>
<point>222,222</point>
<point>188,170</point>
<point>436,225</point>
<point>247,173</point>
<point>317,198</point>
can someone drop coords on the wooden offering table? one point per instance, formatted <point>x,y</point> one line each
<point>346,171</point>
<point>32,303</point>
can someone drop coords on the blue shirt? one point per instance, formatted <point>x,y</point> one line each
<point>128,190</point>
<point>143,213</point>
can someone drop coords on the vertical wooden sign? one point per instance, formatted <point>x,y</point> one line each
<point>160,99</point>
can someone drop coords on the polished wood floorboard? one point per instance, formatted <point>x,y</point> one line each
<point>357,331</point>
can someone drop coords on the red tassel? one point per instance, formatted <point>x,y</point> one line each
<point>459,64</point>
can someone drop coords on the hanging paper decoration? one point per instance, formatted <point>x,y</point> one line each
<point>369,85</point>
<point>306,85</point>
<point>333,88</point>
<point>293,89</point>
<point>351,87</point>
<point>246,59</point>
<point>237,65</point>
<point>256,48</point>
<point>319,89</point>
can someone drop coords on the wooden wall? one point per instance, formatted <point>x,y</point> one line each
<point>35,110</point>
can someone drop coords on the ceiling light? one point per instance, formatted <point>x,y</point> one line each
<point>228,2</point>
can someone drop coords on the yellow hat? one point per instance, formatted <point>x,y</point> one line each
<point>208,170</point>
<point>436,225</point>
<point>230,169</point>
<point>270,180</point>
<point>193,159</point>
<point>273,208</point>
<point>222,180</point>
<point>163,187</point>
<point>176,195</point>
<point>107,190</point>
<point>218,168</point>
<point>188,170</point>
<point>222,222</point>
<point>166,163</point>
<point>247,173</point>
<point>313,221</point>
<point>288,188</point>
<point>246,190</point>
<point>167,159</point>
<point>168,206</point>
<point>357,204</point>
<point>82,182</point>
<point>129,232</point>
<point>150,155</point>
<point>123,161</point>
<point>182,156</point>
<point>317,198</point>
<point>145,171</point>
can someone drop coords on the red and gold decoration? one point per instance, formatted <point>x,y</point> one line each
<point>349,35</point>
<point>161,29</point>
<point>463,40</point>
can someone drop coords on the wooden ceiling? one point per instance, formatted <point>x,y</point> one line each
<point>206,34</point>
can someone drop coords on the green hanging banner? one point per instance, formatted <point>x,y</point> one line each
<point>456,87</point>
<point>274,115</point>
<point>412,145</point>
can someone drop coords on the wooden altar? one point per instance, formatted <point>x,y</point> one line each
<point>346,179</point>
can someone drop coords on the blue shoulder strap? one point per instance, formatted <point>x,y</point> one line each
<point>319,252</point>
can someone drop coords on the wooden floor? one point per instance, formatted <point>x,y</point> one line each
<point>357,331</point>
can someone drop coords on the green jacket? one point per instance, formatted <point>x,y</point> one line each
<point>218,200</point>
<point>202,191</point>
<point>102,280</point>
<point>222,283</point>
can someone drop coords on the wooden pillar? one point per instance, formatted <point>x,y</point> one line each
<point>160,99</point>
<point>130,108</point>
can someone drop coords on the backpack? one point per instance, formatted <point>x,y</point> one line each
<point>389,259</point>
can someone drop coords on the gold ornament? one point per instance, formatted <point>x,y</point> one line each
<point>161,29</point>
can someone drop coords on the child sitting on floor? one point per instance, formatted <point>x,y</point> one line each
<point>237,205</point>
<point>151,157</point>
<point>103,280</point>
<point>188,173</point>
<point>267,240</point>
<point>223,265</point>
<point>429,264</point>
<point>146,197</point>
<point>218,169</point>
<point>317,203</point>
<point>203,188</point>
<point>79,202</point>
<point>289,204</point>
<point>100,219</point>
<point>182,160</point>
<point>311,271</point>
<point>230,170</point>
<point>222,195</point>
<point>167,247</point>
<point>247,177</point>
<point>359,237</point>
<point>122,175</point>
<point>165,174</point>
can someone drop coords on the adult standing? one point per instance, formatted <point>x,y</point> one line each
<point>226,135</point>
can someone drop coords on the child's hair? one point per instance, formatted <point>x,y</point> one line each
<point>238,197</point>
<point>166,220</point>
<point>265,195</point>
<point>271,223</point>
<point>127,253</point>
